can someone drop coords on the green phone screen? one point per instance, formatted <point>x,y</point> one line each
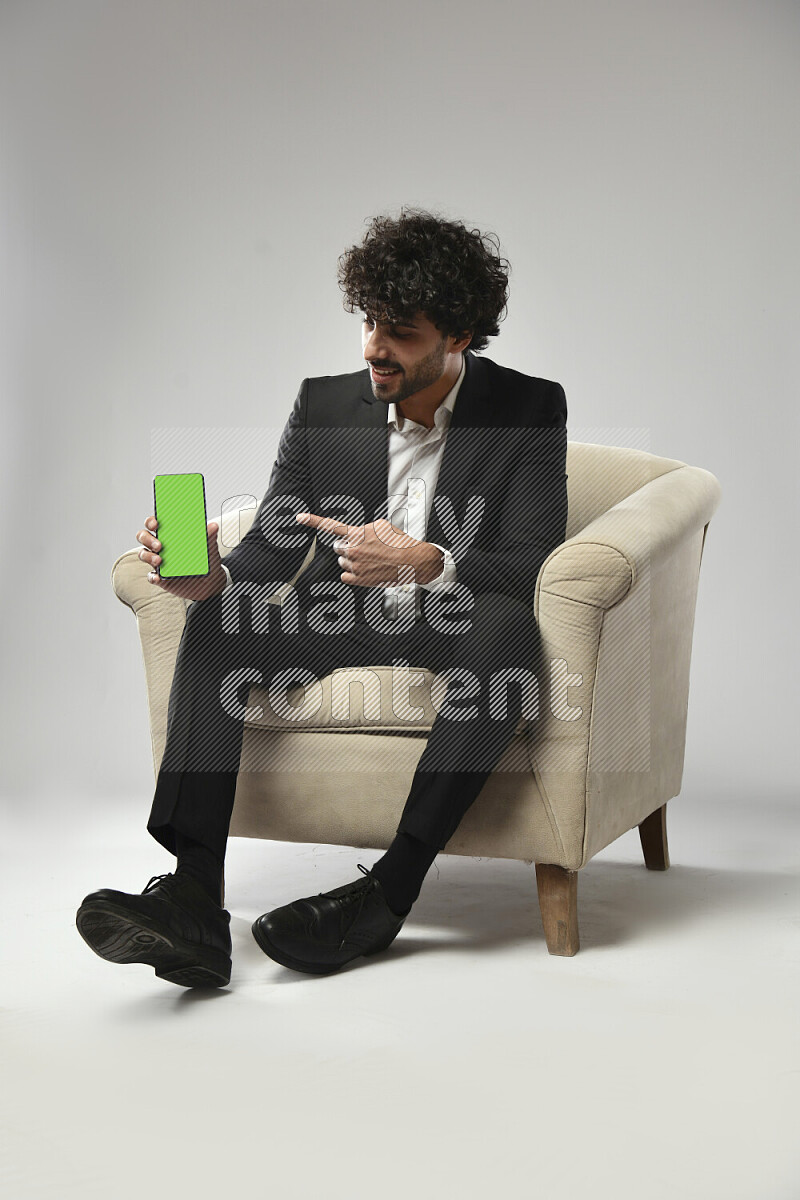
<point>180,509</point>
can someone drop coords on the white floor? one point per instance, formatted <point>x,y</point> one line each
<point>661,1061</point>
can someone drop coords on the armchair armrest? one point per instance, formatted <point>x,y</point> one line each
<point>161,618</point>
<point>599,565</point>
<point>615,606</point>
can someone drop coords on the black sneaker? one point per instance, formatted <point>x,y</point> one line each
<point>173,926</point>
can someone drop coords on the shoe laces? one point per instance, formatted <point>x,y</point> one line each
<point>361,885</point>
<point>154,882</point>
<point>360,890</point>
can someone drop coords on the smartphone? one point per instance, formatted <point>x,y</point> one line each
<point>180,509</point>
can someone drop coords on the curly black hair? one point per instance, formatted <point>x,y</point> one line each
<point>419,262</point>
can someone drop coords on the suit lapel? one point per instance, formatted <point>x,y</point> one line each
<point>465,438</point>
<point>369,462</point>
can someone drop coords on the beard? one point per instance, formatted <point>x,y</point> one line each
<point>427,371</point>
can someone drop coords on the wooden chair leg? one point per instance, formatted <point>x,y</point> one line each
<point>558,904</point>
<point>653,836</point>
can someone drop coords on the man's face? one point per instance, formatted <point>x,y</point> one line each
<point>404,358</point>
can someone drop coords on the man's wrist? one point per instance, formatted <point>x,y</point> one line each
<point>225,583</point>
<point>431,563</point>
<point>448,577</point>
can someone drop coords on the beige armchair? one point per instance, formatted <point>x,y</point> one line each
<point>615,604</point>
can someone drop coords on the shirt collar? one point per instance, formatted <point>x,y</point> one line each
<point>444,413</point>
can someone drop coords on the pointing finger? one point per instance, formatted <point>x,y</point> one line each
<point>326,523</point>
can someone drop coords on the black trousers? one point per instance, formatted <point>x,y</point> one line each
<point>488,652</point>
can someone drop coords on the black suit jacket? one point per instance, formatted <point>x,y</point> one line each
<point>505,456</point>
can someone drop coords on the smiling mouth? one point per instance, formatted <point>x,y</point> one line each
<point>383,373</point>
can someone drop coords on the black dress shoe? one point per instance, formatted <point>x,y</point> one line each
<point>173,926</point>
<point>319,934</point>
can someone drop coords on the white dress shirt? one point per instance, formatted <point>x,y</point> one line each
<point>415,458</point>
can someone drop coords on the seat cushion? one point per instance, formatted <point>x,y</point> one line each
<point>351,700</point>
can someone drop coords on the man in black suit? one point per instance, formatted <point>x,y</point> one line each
<point>434,484</point>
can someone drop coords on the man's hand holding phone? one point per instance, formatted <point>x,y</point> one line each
<point>190,587</point>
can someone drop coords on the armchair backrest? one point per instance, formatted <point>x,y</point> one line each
<point>600,476</point>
